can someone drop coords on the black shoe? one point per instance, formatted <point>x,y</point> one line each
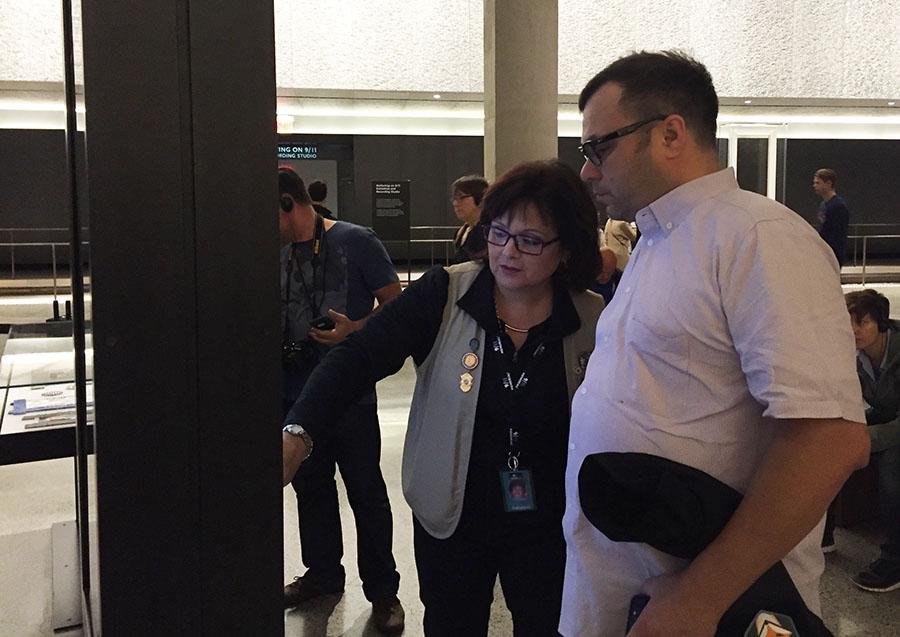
<point>303,589</point>
<point>828,545</point>
<point>388,616</point>
<point>882,576</point>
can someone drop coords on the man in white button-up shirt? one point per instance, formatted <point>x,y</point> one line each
<point>726,348</point>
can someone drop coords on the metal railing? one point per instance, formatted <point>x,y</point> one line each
<point>865,244</point>
<point>432,241</point>
<point>12,244</point>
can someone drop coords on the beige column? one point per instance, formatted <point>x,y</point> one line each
<point>520,82</point>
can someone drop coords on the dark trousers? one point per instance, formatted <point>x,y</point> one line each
<point>889,501</point>
<point>457,576</point>
<point>356,450</point>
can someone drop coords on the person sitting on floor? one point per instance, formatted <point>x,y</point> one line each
<point>878,365</point>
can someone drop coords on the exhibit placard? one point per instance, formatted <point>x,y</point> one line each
<point>391,209</point>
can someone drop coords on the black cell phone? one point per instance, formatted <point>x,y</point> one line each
<point>638,603</point>
<point>323,322</point>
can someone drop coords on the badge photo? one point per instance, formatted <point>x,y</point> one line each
<point>518,491</point>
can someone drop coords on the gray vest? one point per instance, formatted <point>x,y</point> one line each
<point>442,416</point>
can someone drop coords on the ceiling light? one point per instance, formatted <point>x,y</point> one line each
<point>892,103</point>
<point>436,96</point>
<point>748,101</point>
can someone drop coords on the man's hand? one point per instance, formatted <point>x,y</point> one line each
<point>293,452</point>
<point>674,611</point>
<point>800,474</point>
<point>343,327</point>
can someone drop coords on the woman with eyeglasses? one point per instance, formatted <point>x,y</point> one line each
<point>466,194</point>
<point>500,347</point>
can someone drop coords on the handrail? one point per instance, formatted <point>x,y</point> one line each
<point>19,229</point>
<point>37,244</point>
<point>13,243</point>
<point>865,239</point>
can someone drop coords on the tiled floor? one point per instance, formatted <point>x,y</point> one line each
<point>34,496</point>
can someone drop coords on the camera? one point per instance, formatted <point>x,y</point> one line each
<point>299,353</point>
<point>323,322</point>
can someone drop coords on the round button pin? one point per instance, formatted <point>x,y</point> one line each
<point>470,360</point>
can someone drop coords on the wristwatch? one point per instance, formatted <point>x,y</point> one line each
<point>294,429</point>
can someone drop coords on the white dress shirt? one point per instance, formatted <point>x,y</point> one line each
<point>729,317</point>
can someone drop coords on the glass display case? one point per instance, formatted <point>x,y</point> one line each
<point>37,392</point>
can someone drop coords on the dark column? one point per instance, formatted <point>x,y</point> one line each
<point>180,100</point>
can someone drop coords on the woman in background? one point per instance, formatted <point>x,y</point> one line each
<point>466,194</point>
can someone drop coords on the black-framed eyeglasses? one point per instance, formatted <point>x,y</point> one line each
<point>589,147</point>
<point>459,197</point>
<point>525,243</point>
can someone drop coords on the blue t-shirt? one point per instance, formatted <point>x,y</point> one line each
<point>351,265</point>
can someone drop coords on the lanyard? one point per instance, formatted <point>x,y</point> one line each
<point>309,292</point>
<point>514,384</point>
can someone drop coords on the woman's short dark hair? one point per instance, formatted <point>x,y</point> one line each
<point>869,303</point>
<point>564,202</point>
<point>472,185</point>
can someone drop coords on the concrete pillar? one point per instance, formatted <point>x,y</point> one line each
<point>520,82</point>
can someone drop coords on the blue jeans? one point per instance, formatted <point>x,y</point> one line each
<point>889,501</point>
<point>355,448</point>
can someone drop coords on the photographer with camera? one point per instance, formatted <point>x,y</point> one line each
<point>331,274</point>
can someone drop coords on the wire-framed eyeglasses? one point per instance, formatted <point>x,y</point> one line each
<point>525,243</point>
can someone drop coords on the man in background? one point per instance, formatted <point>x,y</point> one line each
<point>878,367</point>
<point>318,192</point>
<point>833,215</point>
<point>332,272</point>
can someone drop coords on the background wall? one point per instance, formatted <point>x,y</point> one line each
<point>33,191</point>
<point>758,48</point>
<point>867,176</point>
<point>33,180</point>
<point>753,48</point>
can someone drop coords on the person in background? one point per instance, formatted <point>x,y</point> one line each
<point>332,273</point>
<point>833,215</point>
<point>609,275</point>
<point>878,366</point>
<point>500,346</point>
<point>619,236</point>
<point>465,196</point>
<point>726,349</point>
<point>318,192</point>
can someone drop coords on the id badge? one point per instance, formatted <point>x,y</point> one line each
<point>518,491</point>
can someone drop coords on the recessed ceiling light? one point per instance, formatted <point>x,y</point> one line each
<point>748,101</point>
<point>892,103</point>
<point>436,96</point>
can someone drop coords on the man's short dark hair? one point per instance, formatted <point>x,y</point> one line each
<point>563,201</point>
<point>869,303</point>
<point>827,174</point>
<point>662,83</point>
<point>472,185</point>
<point>317,190</point>
<point>289,183</point>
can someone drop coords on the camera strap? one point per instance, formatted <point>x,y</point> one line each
<point>309,291</point>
